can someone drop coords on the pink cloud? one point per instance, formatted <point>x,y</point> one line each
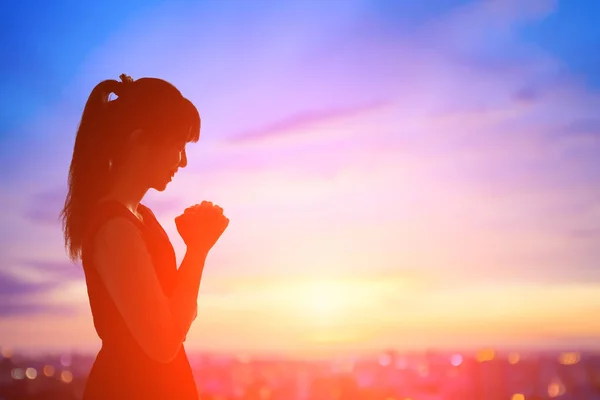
<point>303,121</point>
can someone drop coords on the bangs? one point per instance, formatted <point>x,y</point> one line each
<point>178,121</point>
<point>159,107</point>
<point>192,117</point>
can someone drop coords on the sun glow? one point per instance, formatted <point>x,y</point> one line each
<point>327,309</point>
<point>326,299</point>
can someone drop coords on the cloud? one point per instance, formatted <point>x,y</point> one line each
<point>19,296</point>
<point>11,286</point>
<point>44,207</point>
<point>472,26</point>
<point>303,121</point>
<point>527,94</point>
<point>30,286</point>
<point>581,127</point>
<point>10,309</point>
<point>54,271</point>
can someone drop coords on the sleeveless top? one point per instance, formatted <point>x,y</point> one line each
<point>122,370</point>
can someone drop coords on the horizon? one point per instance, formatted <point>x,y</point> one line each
<point>499,353</point>
<point>393,172</point>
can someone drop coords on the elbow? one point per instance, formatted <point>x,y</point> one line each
<point>164,349</point>
<point>167,352</point>
<point>168,355</point>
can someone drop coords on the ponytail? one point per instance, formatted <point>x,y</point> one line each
<point>90,165</point>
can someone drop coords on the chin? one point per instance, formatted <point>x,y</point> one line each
<point>160,187</point>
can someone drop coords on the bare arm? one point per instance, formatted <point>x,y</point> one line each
<point>187,287</point>
<point>157,322</point>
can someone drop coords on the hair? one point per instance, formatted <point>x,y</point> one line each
<point>150,104</point>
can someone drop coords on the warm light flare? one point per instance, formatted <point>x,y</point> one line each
<point>6,352</point>
<point>48,370</point>
<point>319,302</point>
<point>326,300</point>
<point>513,358</point>
<point>66,376</point>
<point>569,358</point>
<point>456,360</point>
<point>31,373</point>
<point>486,355</point>
<point>556,389</point>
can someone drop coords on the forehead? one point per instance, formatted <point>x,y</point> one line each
<point>175,135</point>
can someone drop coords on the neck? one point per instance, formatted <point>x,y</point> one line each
<point>126,189</point>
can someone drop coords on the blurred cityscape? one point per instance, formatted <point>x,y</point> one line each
<point>485,374</point>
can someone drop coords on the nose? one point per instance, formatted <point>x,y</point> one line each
<point>183,159</point>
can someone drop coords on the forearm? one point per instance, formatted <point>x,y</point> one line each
<point>184,299</point>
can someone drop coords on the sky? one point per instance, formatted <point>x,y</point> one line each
<point>397,174</point>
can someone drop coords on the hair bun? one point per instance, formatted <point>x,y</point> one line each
<point>126,78</point>
<point>124,86</point>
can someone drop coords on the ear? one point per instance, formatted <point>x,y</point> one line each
<point>136,137</point>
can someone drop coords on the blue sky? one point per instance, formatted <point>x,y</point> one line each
<point>45,42</point>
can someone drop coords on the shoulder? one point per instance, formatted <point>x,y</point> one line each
<point>119,249</point>
<point>117,225</point>
<point>106,215</point>
<point>118,232</point>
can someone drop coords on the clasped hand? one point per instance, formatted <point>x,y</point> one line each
<point>201,225</point>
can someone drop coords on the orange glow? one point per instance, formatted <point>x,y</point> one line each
<point>31,373</point>
<point>265,393</point>
<point>513,358</point>
<point>569,358</point>
<point>6,352</point>
<point>486,355</point>
<point>518,396</point>
<point>48,370</point>
<point>323,300</point>
<point>66,376</point>
<point>556,389</point>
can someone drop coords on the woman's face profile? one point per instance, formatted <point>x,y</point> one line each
<point>162,161</point>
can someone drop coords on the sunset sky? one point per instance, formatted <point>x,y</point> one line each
<point>397,173</point>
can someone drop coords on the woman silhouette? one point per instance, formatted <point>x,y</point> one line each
<point>142,304</point>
